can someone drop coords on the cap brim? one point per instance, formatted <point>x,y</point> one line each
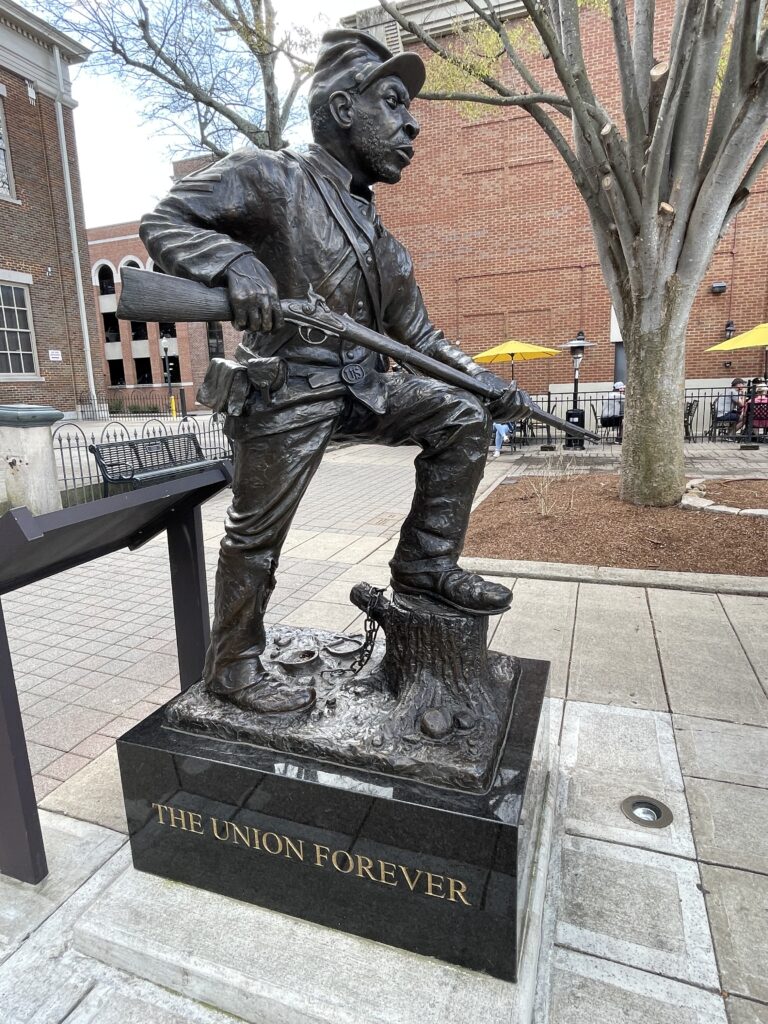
<point>408,67</point>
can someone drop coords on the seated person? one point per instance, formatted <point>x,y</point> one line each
<point>729,406</point>
<point>502,432</point>
<point>760,402</point>
<point>612,411</point>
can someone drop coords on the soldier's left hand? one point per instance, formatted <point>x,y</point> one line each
<point>510,403</point>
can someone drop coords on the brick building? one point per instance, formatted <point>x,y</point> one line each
<point>47,317</point>
<point>135,356</point>
<point>501,239</point>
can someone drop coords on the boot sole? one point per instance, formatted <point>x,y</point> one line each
<point>398,588</point>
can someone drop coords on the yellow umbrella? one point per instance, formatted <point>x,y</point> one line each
<point>756,338</point>
<point>508,351</point>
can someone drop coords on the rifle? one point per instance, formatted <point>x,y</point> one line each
<point>162,298</point>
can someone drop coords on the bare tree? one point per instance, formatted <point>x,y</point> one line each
<point>209,70</point>
<point>662,182</point>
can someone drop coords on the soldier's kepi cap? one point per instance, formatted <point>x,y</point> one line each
<point>350,59</point>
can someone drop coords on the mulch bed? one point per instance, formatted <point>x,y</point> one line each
<point>586,524</point>
<point>739,493</point>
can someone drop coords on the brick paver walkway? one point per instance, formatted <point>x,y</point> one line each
<point>658,691</point>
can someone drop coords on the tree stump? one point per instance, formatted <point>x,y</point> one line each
<point>435,665</point>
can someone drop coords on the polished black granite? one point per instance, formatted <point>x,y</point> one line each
<point>431,870</point>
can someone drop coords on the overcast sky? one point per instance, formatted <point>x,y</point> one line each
<point>125,166</point>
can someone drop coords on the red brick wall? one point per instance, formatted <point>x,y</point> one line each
<point>503,247</point>
<point>34,235</point>
<point>115,243</point>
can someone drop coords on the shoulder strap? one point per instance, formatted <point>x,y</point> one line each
<point>342,218</point>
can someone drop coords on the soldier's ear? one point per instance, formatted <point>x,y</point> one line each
<point>342,108</point>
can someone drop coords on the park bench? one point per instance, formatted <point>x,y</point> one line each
<point>149,460</point>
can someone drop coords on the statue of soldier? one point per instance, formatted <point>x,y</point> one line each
<point>279,225</point>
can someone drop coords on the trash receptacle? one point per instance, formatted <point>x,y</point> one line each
<point>575,416</point>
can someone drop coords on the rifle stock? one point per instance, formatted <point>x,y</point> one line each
<point>160,298</point>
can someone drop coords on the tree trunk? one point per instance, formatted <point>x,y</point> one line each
<point>652,467</point>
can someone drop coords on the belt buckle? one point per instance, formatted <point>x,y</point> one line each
<point>353,373</point>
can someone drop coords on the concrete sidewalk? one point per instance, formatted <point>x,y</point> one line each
<point>654,691</point>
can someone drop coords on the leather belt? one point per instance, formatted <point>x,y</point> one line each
<point>350,374</point>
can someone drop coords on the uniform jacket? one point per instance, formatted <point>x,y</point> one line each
<point>269,203</point>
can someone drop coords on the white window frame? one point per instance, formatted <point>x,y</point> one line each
<point>11,195</point>
<point>23,281</point>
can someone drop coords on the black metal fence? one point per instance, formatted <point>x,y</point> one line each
<point>78,475</point>
<point>134,403</point>
<point>703,418</point>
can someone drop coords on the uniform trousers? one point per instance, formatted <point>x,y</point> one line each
<point>272,470</point>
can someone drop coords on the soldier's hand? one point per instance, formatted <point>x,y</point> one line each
<point>253,296</point>
<point>510,403</point>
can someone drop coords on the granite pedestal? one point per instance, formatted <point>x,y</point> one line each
<point>437,872</point>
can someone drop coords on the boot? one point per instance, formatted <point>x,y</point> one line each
<point>465,591</point>
<point>248,686</point>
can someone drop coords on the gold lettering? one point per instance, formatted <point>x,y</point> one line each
<point>256,834</point>
<point>457,889</point>
<point>290,845</point>
<point>241,834</point>
<point>411,884</point>
<point>195,823</point>
<point>364,868</point>
<point>278,840</point>
<point>160,809</point>
<point>321,851</point>
<point>350,862</point>
<point>178,818</point>
<point>432,881</point>
<point>386,869</point>
<point>215,823</point>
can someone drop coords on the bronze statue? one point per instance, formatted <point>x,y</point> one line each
<point>271,226</point>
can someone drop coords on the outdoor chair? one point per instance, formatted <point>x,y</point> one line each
<point>608,435</point>
<point>719,427</point>
<point>689,417</point>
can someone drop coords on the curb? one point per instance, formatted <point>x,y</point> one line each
<point>696,582</point>
<point>698,503</point>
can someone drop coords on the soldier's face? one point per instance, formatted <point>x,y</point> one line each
<point>382,130</point>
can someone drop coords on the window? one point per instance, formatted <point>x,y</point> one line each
<point>215,339</point>
<point>17,342</point>
<point>116,372</point>
<point>106,280</point>
<point>6,177</point>
<point>111,327</point>
<point>143,371</point>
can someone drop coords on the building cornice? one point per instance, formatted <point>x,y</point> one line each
<point>28,48</point>
<point>15,17</point>
<point>439,17</point>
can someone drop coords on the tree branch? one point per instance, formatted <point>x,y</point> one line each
<point>740,72</point>
<point>182,81</point>
<point>633,114</point>
<point>692,119</point>
<point>525,99</point>
<point>451,58</point>
<point>687,24</point>
<point>642,52</point>
<point>571,73</point>
<point>720,189</point>
<point>491,18</point>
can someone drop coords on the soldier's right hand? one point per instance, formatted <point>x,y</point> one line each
<point>253,296</point>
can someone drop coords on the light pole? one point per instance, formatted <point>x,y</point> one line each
<point>576,347</point>
<point>167,364</point>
